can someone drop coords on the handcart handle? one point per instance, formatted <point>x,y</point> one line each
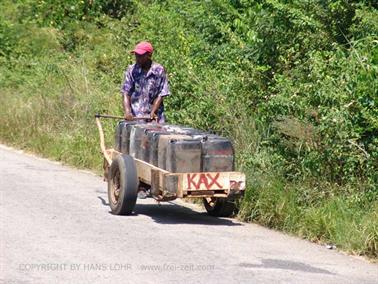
<point>145,117</point>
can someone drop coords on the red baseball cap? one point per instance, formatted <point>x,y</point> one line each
<point>143,47</point>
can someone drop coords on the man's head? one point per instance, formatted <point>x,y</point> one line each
<point>143,52</point>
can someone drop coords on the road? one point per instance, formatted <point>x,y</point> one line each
<point>56,228</point>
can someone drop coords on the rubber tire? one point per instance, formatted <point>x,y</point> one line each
<point>223,207</point>
<point>123,165</point>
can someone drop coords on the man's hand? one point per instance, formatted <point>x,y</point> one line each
<point>153,116</point>
<point>129,116</point>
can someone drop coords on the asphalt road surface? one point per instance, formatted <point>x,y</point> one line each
<point>56,228</point>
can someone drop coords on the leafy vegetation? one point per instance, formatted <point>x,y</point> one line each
<point>293,83</point>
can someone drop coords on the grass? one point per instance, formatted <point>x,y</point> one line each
<point>49,95</point>
<point>55,117</point>
<point>351,226</point>
<point>57,122</point>
<point>59,129</point>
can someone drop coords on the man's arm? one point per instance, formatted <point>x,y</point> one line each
<point>156,106</point>
<point>163,91</point>
<point>127,107</point>
<point>125,90</point>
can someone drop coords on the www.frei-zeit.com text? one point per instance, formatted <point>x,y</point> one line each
<point>50,267</point>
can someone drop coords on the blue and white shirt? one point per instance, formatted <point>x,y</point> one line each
<point>143,88</point>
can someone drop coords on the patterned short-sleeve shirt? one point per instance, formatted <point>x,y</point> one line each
<point>143,88</point>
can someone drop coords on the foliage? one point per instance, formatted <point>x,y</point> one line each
<point>293,83</point>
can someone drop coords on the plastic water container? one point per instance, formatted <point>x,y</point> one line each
<point>153,143</point>
<point>118,135</point>
<point>182,130</point>
<point>217,154</point>
<point>136,137</point>
<point>147,144</point>
<point>125,136</point>
<point>183,155</point>
<point>163,141</point>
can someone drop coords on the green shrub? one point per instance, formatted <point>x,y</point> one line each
<point>293,84</point>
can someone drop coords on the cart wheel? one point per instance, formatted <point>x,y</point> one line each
<point>219,207</point>
<point>122,185</point>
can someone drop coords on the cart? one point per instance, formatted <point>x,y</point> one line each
<point>219,190</point>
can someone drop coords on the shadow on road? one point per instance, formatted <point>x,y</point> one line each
<point>286,265</point>
<point>103,201</point>
<point>171,213</point>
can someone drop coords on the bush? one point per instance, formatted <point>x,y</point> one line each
<point>293,84</point>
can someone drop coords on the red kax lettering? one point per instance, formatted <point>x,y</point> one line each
<point>195,181</point>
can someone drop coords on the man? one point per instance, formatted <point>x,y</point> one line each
<point>145,86</point>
